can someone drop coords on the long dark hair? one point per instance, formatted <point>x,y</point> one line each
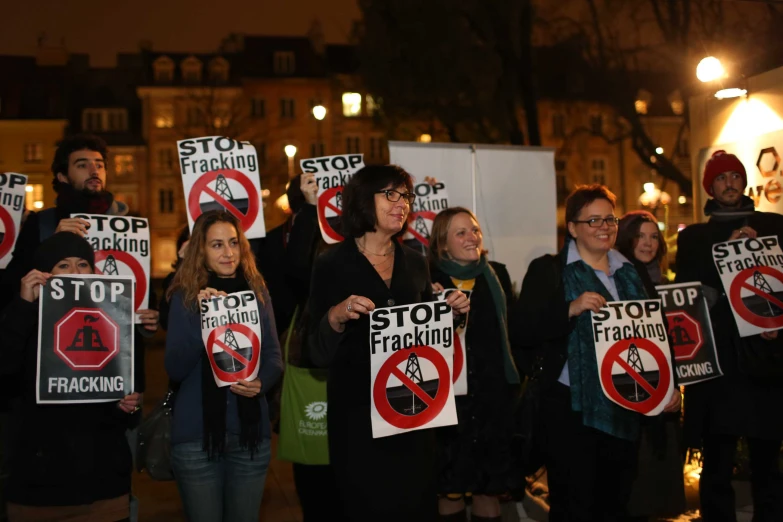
<point>628,234</point>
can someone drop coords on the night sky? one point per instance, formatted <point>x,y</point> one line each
<point>104,27</point>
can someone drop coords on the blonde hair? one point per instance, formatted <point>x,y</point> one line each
<point>193,273</point>
<point>439,236</point>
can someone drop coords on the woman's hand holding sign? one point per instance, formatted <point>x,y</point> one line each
<point>209,293</point>
<point>348,310</point>
<point>458,302</point>
<point>587,301</point>
<point>31,285</point>
<point>247,388</point>
<point>130,403</point>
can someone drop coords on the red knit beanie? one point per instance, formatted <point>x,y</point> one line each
<point>720,162</point>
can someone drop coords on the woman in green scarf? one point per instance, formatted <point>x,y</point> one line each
<point>590,443</point>
<point>475,455</point>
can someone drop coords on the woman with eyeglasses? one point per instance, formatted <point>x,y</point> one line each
<point>590,443</point>
<point>389,478</point>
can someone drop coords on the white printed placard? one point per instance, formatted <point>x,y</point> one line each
<point>411,354</point>
<point>219,173</point>
<point>332,173</point>
<point>12,195</point>
<point>430,200</point>
<point>634,359</point>
<point>459,374</point>
<point>231,331</point>
<point>751,270</point>
<point>122,247</point>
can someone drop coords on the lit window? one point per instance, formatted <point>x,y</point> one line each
<point>164,116</point>
<point>191,70</point>
<point>33,152</point>
<point>640,106</point>
<point>352,104</point>
<point>642,103</point>
<point>558,125</point>
<point>352,145</point>
<point>597,124</point>
<point>105,120</point>
<point>372,107</point>
<point>92,120</point>
<point>222,117</point>
<point>218,70</point>
<point>123,165</point>
<point>164,70</point>
<point>285,62</point>
<point>34,195</point>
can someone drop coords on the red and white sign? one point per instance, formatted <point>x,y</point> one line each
<point>122,247</point>
<point>332,173</point>
<point>633,355</point>
<point>86,339</point>
<point>231,331</point>
<point>430,200</point>
<point>411,354</point>
<point>221,173</point>
<point>751,271</point>
<point>12,196</point>
<point>460,371</point>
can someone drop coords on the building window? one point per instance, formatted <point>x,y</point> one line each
<point>105,120</point>
<point>166,159</point>
<point>218,70</point>
<point>164,70</point>
<point>597,124</point>
<point>261,153</point>
<point>164,115</point>
<point>352,145</point>
<point>257,108</point>
<point>191,70</point>
<point>166,201</point>
<point>195,117</point>
<point>317,150</point>
<point>643,100</point>
<point>558,125</point>
<point>33,152</point>
<point>34,196</point>
<point>352,104</point>
<point>92,120</point>
<point>286,108</point>
<point>372,106</point>
<point>376,148</point>
<point>124,165</point>
<point>285,62</point>
<point>640,106</point>
<point>598,170</point>
<point>222,116</point>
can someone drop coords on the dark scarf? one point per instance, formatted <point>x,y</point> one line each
<point>586,394</point>
<point>72,201</point>
<point>716,212</point>
<point>213,398</point>
<point>654,271</point>
<point>471,271</point>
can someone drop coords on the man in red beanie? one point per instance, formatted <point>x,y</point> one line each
<point>746,401</point>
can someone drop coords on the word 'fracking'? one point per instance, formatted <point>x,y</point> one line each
<point>85,384</point>
<point>637,330</point>
<point>121,243</point>
<point>425,336</point>
<point>245,317</point>
<point>223,161</point>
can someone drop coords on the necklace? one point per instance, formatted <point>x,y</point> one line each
<point>383,262</point>
<point>365,251</point>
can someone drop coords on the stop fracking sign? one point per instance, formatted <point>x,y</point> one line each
<point>85,339</point>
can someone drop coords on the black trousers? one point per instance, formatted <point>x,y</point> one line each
<point>318,493</point>
<point>590,473</point>
<point>716,493</point>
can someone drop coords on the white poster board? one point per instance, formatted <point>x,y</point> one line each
<point>12,195</point>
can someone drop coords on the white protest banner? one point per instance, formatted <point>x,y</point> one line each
<point>690,332</point>
<point>459,374</point>
<point>85,339</point>
<point>430,200</point>
<point>331,174</point>
<point>221,173</point>
<point>122,247</point>
<point>632,350</point>
<point>12,195</point>
<point>751,273</point>
<point>411,354</point>
<point>231,330</point>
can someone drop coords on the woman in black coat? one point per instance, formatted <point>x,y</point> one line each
<point>476,454</point>
<point>390,478</point>
<point>66,461</point>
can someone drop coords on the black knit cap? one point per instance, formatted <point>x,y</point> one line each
<point>60,246</point>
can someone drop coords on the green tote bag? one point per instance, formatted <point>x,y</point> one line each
<point>303,408</point>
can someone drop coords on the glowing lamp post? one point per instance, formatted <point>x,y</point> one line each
<point>290,151</point>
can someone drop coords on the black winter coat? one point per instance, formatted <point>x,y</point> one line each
<point>734,404</point>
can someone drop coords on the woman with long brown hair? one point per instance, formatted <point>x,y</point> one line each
<point>220,436</point>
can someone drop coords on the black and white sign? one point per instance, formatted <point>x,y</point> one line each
<point>430,200</point>
<point>85,339</point>
<point>12,195</point>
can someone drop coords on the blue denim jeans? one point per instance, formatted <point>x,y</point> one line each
<point>228,488</point>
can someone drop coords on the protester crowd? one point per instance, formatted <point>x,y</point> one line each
<point>534,393</point>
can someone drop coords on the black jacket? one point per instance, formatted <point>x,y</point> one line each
<point>59,455</point>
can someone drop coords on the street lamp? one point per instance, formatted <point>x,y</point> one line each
<point>319,113</point>
<point>710,69</point>
<point>290,151</point>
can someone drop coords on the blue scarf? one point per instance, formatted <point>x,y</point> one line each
<point>586,394</point>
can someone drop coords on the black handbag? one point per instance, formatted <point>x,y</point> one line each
<point>153,450</point>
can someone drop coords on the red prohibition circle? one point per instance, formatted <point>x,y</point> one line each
<point>256,354</point>
<point>381,401</point>
<point>139,277</point>
<point>459,357</point>
<point>412,230</point>
<point>664,376</point>
<point>10,232</point>
<point>194,206</point>
<point>323,203</point>
<point>735,296</point>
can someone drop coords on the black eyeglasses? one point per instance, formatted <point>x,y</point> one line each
<point>395,195</point>
<point>598,222</point>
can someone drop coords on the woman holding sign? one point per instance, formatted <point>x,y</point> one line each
<point>590,442</point>
<point>221,435</point>
<point>72,461</point>
<point>391,478</point>
<point>475,455</point>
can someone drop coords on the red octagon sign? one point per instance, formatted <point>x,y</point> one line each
<point>86,339</point>
<point>685,334</point>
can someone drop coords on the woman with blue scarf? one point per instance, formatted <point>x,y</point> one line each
<point>590,443</point>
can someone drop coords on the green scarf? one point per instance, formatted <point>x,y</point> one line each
<point>471,271</point>
<point>586,394</point>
